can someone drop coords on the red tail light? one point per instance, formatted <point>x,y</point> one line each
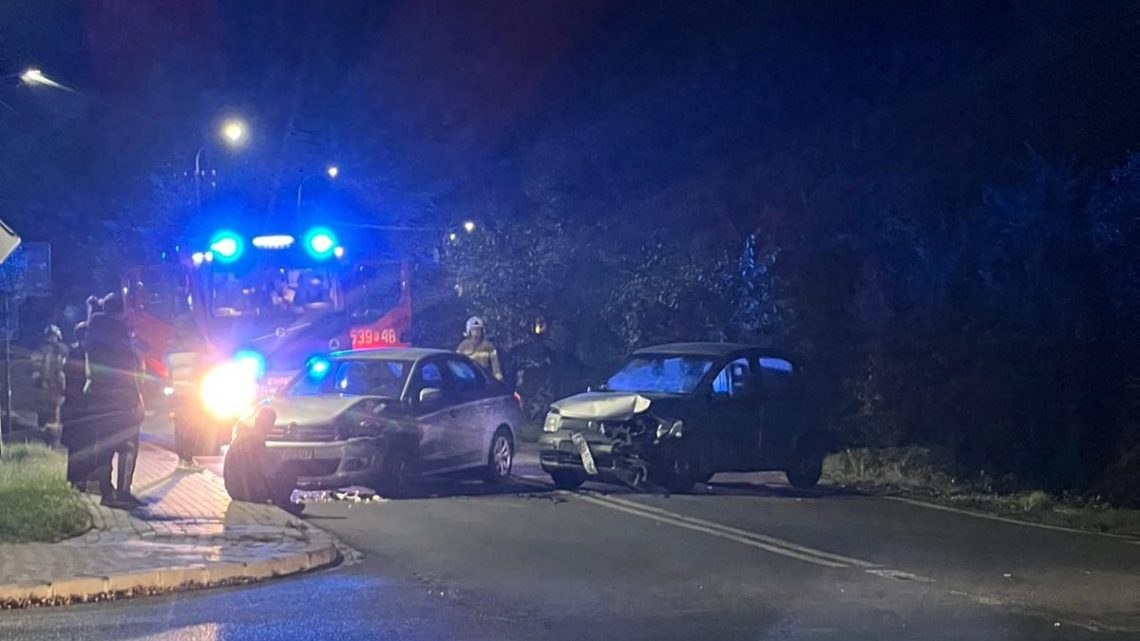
<point>518,399</point>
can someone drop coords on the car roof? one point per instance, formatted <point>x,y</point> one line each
<point>391,353</point>
<point>712,349</point>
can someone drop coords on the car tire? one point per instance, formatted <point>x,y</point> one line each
<point>681,475</point>
<point>806,466</point>
<point>566,479</point>
<point>500,457</point>
<point>398,474</point>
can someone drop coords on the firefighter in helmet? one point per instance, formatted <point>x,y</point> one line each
<point>476,347</point>
<point>48,377</point>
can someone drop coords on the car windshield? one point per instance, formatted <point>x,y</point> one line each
<point>269,291</point>
<point>664,374</point>
<point>354,377</point>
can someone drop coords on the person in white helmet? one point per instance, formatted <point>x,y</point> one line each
<point>476,347</point>
<point>48,378</point>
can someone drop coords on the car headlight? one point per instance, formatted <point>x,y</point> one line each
<point>229,389</point>
<point>674,429</point>
<point>553,422</point>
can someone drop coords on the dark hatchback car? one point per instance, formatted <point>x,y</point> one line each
<point>676,414</point>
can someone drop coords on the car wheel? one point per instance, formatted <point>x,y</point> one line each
<point>681,475</point>
<point>398,474</point>
<point>806,466</point>
<point>566,479</point>
<point>500,457</point>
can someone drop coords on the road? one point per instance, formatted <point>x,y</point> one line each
<point>745,558</point>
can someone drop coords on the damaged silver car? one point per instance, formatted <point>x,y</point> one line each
<point>675,415</point>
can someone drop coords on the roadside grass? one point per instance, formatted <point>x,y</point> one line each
<point>920,473</point>
<point>36,502</point>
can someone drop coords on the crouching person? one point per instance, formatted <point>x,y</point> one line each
<point>250,474</point>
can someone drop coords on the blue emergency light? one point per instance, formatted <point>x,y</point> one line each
<point>320,242</point>
<point>318,367</point>
<point>227,246</point>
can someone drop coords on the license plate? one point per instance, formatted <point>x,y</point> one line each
<point>295,453</point>
<point>585,453</point>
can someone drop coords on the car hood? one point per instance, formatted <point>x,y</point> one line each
<point>313,410</point>
<point>612,406</point>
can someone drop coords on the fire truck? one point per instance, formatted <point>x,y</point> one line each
<point>233,317</point>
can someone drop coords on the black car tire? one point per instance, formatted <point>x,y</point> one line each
<point>567,479</point>
<point>397,476</point>
<point>681,475</point>
<point>806,466</point>
<point>500,457</point>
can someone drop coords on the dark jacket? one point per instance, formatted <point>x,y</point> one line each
<point>73,414</point>
<point>113,370</point>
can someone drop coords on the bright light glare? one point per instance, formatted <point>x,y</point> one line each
<point>320,242</point>
<point>197,258</point>
<point>276,241</point>
<point>33,76</point>
<point>228,389</point>
<point>251,361</point>
<point>234,132</point>
<point>333,171</point>
<point>168,391</point>
<point>339,252</point>
<point>469,226</point>
<point>318,367</point>
<point>225,247</point>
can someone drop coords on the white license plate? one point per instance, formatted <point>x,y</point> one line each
<point>295,453</point>
<point>584,453</point>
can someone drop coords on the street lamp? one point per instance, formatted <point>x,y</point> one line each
<point>332,171</point>
<point>33,76</point>
<point>469,226</point>
<point>234,133</point>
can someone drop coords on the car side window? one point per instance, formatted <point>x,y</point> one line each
<point>734,381</point>
<point>468,381</point>
<point>430,376</point>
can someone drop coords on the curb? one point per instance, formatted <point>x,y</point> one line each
<point>82,589</point>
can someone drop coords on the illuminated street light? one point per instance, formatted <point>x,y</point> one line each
<point>331,172</point>
<point>469,226</point>
<point>33,76</point>
<point>234,132</point>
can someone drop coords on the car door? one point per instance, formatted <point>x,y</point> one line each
<point>437,416</point>
<point>475,420</point>
<point>736,414</point>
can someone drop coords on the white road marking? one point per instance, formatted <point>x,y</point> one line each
<point>1005,519</point>
<point>771,540</point>
<point>713,531</point>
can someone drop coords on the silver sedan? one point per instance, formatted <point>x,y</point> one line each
<point>382,418</point>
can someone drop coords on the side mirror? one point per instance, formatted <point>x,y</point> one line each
<point>430,395</point>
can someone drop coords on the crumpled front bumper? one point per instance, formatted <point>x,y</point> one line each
<point>615,462</point>
<point>330,465</point>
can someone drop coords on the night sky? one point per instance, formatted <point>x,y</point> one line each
<point>439,111</point>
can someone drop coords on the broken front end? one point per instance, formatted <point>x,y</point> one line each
<point>612,438</point>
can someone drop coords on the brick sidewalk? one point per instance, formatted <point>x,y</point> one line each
<point>188,534</point>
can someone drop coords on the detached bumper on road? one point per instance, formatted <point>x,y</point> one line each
<point>325,466</point>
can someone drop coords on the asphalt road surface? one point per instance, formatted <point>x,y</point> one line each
<point>745,558</point>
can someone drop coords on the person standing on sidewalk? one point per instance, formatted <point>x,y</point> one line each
<point>114,398</point>
<point>47,376</point>
<point>78,430</point>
